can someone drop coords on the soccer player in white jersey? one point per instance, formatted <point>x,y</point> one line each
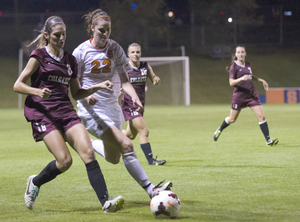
<point>100,59</point>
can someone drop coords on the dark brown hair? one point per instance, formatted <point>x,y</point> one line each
<point>234,57</point>
<point>92,17</point>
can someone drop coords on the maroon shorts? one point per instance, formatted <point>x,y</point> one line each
<point>247,103</point>
<point>131,114</point>
<point>41,128</point>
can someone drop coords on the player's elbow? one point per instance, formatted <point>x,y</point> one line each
<point>16,87</point>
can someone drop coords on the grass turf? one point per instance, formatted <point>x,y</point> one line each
<point>236,178</point>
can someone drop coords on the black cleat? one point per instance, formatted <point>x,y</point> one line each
<point>217,134</point>
<point>157,162</point>
<point>272,142</point>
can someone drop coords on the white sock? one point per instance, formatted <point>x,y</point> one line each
<point>136,170</point>
<point>98,146</point>
<point>226,119</point>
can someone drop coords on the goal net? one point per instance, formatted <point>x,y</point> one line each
<point>174,73</point>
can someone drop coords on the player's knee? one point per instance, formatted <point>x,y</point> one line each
<point>230,120</point>
<point>65,163</point>
<point>127,146</point>
<point>145,132</point>
<point>131,136</point>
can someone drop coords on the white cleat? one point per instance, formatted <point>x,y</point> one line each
<point>157,188</point>
<point>113,205</point>
<point>31,193</point>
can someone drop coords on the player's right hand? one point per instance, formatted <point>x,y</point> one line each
<point>105,85</point>
<point>45,93</point>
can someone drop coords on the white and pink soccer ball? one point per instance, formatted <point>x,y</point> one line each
<point>165,204</point>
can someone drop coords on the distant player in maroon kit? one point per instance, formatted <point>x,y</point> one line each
<point>245,95</point>
<point>138,76</point>
<point>52,116</point>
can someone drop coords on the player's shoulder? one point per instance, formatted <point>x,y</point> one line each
<point>247,63</point>
<point>112,44</point>
<point>82,47</point>
<point>143,64</point>
<point>39,52</point>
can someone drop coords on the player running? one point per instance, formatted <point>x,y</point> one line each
<point>138,76</point>
<point>53,118</point>
<point>245,95</point>
<point>100,59</point>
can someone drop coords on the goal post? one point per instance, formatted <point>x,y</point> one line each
<point>174,89</point>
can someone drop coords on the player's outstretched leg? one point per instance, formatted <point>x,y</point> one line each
<point>113,205</point>
<point>31,193</point>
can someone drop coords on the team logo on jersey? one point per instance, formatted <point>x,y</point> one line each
<point>69,69</point>
<point>110,54</point>
<point>144,71</point>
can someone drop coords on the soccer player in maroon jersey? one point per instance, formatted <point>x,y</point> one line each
<point>52,116</point>
<point>135,122</point>
<point>245,95</point>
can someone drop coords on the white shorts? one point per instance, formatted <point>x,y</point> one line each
<point>97,121</point>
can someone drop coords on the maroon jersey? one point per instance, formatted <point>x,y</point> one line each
<point>55,75</point>
<point>244,91</point>
<point>137,77</point>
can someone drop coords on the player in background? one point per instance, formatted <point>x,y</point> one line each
<point>135,123</point>
<point>100,59</point>
<point>52,116</point>
<point>245,95</point>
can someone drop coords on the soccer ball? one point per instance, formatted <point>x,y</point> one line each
<point>165,204</point>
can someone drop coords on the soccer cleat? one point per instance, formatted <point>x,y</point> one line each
<point>157,162</point>
<point>113,205</point>
<point>31,193</point>
<point>157,188</point>
<point>272,142</point>
<point>217,134</point>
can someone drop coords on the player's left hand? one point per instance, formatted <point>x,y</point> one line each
<point>265,84</point>
<point>156,80</point>
<point>92,99</point>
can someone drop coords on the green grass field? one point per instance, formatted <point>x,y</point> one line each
<point>237,178</point>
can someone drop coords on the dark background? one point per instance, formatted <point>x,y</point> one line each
<point>199,25</point>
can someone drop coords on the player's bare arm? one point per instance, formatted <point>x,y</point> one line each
<point>79,93</point>
<point>154,78</point>
<point>20,85</point>
<point>233,82</point>
<point>265,84</point>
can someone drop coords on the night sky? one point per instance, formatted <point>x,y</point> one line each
<point>178,6</point>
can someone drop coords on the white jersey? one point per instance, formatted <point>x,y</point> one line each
<point>96,65</point>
